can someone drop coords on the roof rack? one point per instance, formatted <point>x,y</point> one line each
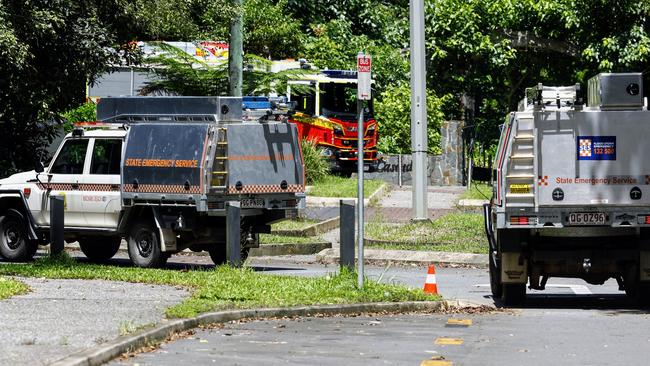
<point>551,97</point>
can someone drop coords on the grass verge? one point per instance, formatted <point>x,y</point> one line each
<point>287,239</point>
<point>454,232</point>
<point>226,288</point>
<point>10,287</point>
<point>478,191</point>
<point>297,224</point>
<point>335,186</point>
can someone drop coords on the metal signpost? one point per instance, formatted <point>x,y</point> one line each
<point>364,66</point>
<point>418,111</point>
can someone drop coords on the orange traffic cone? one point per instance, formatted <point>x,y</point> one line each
<point>430,285</point>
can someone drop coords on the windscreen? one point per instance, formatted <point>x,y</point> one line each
<point>339,100</point>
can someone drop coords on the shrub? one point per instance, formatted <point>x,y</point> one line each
<point>316,167</point>
<point>86,112</point>
<point>393,112</point>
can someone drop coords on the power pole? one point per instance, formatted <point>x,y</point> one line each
<point>236,50</point>
<point>418,111</point>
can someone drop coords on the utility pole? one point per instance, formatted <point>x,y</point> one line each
<point>236,50</point>
<point>418,111</point>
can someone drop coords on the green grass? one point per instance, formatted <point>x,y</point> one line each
<point>478,191</point>
<point>334,186</point>
<point>224,287</point>
<point>286,239</point>
<point>454,232</point>
<point>297,224</point>
<point>10,287</point>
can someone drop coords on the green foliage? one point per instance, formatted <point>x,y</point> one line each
<point>86,112</point>
<point>393,111</point>
<point>316,167</point>
<point>48,51</point>
<point>336,186</point>
<point>228,288</point>
<point>270,31</point>
<point>181,74</point>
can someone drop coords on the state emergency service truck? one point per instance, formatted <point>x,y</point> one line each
<point>159,174</point>
<point>572,194</point>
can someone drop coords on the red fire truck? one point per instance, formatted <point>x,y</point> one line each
<point>326,113</point>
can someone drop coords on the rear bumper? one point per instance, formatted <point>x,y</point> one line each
<point>558,218</point>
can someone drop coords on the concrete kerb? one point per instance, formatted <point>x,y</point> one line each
<point>113,349</point>
<point>312,230</point>
<point>383,257</point>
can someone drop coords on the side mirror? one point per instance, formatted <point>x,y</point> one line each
<point>40,168</point>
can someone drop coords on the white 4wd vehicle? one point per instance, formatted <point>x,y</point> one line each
<point>162,180</point>
<point>86,172</point>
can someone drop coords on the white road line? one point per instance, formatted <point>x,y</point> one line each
<point>577,289</point>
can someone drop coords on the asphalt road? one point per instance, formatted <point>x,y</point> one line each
<point>586,337</point>
<point>571,323</point>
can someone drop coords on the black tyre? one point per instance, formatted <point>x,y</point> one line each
<point>144,247</point>
<point>219,255</point>
<point>495,276</point>
<point>643,294</point>
<point>15,246</point>
<point>513,294</point>
<point>99,249</point>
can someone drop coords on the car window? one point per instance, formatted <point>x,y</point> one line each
<point>107,154</point>
<point>71,158</point>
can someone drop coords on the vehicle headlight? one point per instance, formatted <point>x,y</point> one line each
<point>338,130</point>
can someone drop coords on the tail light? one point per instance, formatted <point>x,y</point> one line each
<point>27,192</point>
<point>523,220</point>
<point>644,219</point>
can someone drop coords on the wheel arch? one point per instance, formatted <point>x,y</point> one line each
<point>14,201</point>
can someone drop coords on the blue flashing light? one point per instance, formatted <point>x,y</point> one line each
<point>341,74</point>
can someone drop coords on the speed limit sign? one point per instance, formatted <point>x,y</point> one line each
<point>364,67</point>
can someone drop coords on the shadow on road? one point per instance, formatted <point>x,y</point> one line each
<point>616,304</point>
<point>180,263</point>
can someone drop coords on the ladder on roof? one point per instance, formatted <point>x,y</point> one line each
<point>520,181</point>
<point>219,179</point>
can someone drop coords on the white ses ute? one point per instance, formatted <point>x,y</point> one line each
<point>161,179</point>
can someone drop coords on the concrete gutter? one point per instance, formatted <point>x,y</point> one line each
<point>380,256</point>
<point>335,201</point>
<point>106,352</point>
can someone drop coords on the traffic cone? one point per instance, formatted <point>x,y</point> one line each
<point>430,285</point>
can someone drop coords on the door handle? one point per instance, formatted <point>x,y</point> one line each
<point>75,185</point>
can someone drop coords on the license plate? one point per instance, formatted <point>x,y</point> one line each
<point>587,218</point>
<point>252,203</point>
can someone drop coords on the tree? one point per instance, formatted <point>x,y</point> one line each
<point>181,74</point>
<point>49,50</point>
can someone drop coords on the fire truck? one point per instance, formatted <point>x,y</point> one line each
<point>326,113</point>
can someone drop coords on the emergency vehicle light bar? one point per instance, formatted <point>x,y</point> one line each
<point>343,74</point>
<point>97,124</point>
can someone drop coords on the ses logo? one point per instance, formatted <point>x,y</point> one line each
<point>596,147</point>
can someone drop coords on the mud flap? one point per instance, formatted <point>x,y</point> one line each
<point>167,236</point>
<point>511,269</point>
